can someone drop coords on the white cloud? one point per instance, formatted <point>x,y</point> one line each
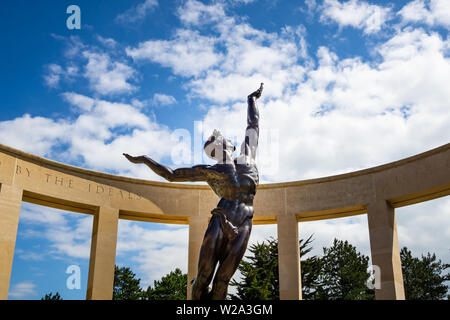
<point>355,13</point>
<point>83,102</point>
<point>353,229</point>
<point>345,109</point>
<point>74,45</point>
<point>23,290</point>
<point>108,77</point>
<point>246,54</point>
<point>424,228</point>
<point>160,99</point>
<point>196,13</point>
<point>137,13</point>
<point>69,233</point>
<point>93,139</point>
<point>95,135</point>
<point>154,249</point>
<point>55,73</point>
<point>107,42</point>
<point>384,102</point>
<point>430,12</point>
<point>243,1</point>
<point>250,57</point>
<point>43,133</point>
<point>311,5</point>
<point>188,54</point>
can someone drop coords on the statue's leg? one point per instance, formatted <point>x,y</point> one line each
<point>235,250</point>
<point>208,258</point>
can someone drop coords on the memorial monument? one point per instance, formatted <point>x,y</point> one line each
<point>375,192</point>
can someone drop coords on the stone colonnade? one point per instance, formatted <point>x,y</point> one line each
<point>375,191</point>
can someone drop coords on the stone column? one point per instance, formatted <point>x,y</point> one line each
<point>10,201</point>
<point>197,228</point>
<point>103,254</point>
<point>385,250</point>
<point>289,258</point>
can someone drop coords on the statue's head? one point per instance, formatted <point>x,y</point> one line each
<point>218,148</point>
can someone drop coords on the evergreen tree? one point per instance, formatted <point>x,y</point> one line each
<point>260,271</point>
<point>424,278</point>
<point>172,286</point>
<point>126,285</point>
<point>51,296</point>
<point>310,270</point>
<point>342,274</point>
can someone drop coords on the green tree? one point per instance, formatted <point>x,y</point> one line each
<point>342,274</point>
<point>260,271</point>
<point>310,271</point>
<point>172,286</point>
<point>126,285</point>
<point>424,278</point>
<point>51,296</point>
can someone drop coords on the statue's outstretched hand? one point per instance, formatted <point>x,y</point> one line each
<point>131,158</point>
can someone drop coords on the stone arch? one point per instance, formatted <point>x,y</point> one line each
<point>375,191</point>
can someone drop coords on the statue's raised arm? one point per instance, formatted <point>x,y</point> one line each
<point>250,143</point>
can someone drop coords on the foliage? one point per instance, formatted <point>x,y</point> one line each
<point>172,286</point>
<point>51,296</point>
<point>126,285</point>
<point>424,278</point>
<point>260,271</point>
<point>340,274</point>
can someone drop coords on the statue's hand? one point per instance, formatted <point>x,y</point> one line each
<point>258,92</point>
<point>131,158</point>
<point>227,227</point>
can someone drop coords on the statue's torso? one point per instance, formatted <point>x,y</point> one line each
<point>236,187</point>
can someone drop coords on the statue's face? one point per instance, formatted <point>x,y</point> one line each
<point>217,147</point>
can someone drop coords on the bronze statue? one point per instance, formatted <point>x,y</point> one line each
<point>234,180</point>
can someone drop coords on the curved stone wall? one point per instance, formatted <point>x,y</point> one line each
<point>375,191</point>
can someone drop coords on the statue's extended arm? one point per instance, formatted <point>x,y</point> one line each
<point>196,173</point>
<point>252,130</point>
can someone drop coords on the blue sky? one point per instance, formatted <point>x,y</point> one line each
<point>348,85</point>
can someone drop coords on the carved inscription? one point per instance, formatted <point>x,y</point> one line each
<point>59,181</point>
<point>69,183</point>
<point>20,170</point>
<point>111,192</point>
